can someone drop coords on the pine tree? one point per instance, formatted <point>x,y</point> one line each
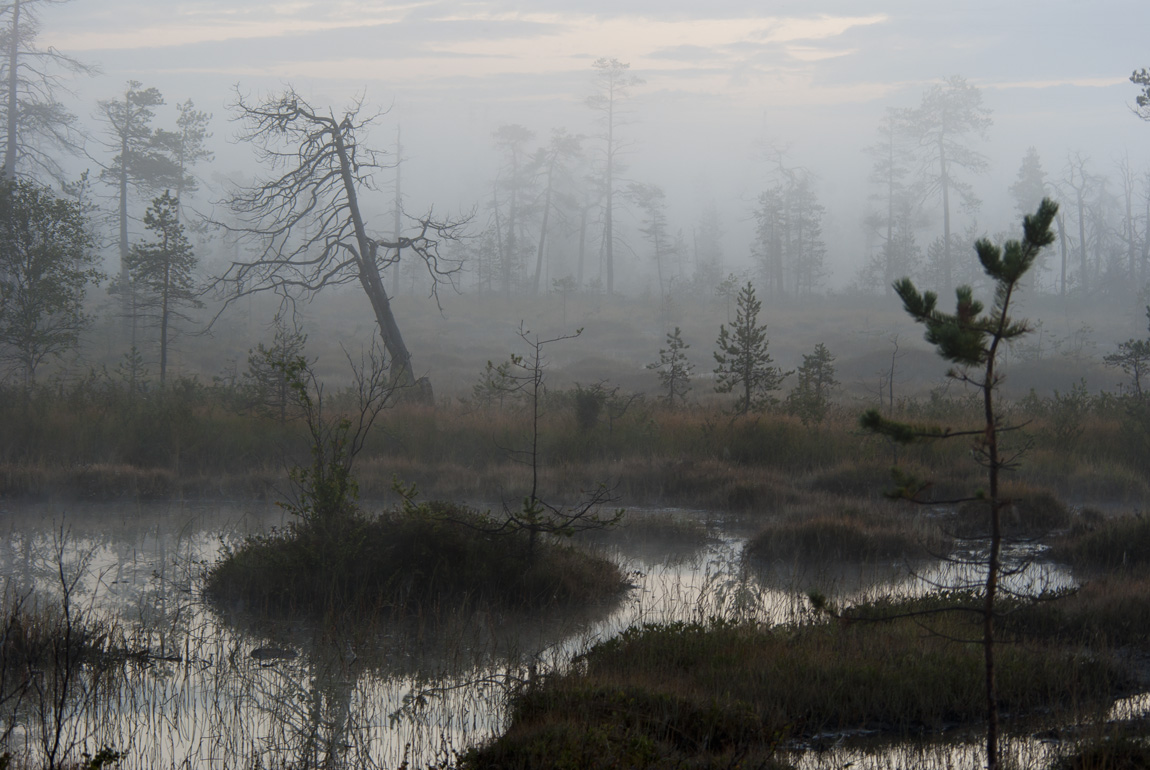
<point>810,399</point>
<point>268,378</point>
<point>744,365</point>
<point>162,270</point>
<point>673,368</point>
<point>971,338</point>
<point>1029,187</point>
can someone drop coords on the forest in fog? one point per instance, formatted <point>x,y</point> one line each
<point>514,163</point>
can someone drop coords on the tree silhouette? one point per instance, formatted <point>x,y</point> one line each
<point>161,270</point>
<point>950,113</point>
<point>46,263</point>
<point>613,83</point>
<point>306,218</point>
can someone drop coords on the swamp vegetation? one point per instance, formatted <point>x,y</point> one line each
<point>419,586</point>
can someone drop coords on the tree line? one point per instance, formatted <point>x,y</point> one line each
<point>562,216</point>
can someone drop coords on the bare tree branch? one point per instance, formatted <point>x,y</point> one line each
<point>305,218</point>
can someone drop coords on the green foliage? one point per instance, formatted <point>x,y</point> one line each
<point>1133,358</point>
<point>811,397</point>
<point>589,402</point>
<point>744,365</point>
<point>132,371</point>
<point>1029,187</point>
<point>105,757</point>
<point>268,376</point>
<point>326,490</point>
<point>47,261</point>
<point>674,369</point>
<point>144,160</point>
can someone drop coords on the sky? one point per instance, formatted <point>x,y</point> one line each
<point>721,81</point>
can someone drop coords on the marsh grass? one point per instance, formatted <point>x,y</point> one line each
<point>1120,751</point>
<point>1105,544</point>
<point>56,659</point>
<point>436,555</point>
<point>828,529</point>
<point>37,637</point>
<point>1108,612</point>
<point>720,691</point>
<point>90,440</point>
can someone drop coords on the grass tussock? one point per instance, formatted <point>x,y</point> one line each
<point>1029,513</point>
<point>437,555</point>
<point>829,531</point>
<point>1105,544</point>
<point>722,690</point>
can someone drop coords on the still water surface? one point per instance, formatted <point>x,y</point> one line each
<point>376,695</point>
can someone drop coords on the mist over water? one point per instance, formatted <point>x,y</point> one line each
<point>241,687</point>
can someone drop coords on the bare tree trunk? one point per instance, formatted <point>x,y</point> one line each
<point>1062,247</point>
<point>1143,266</point>
<point>397,224</point>
<point>608,214</point>
<point>1083,267</point>
<point>543,226</point>
<point>369,278</point>
<point>947,279</point>
<point>582,245</point>
<point>13,93</point>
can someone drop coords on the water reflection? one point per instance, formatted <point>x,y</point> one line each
<point>377,694</point>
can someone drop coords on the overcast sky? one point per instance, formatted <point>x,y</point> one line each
<point>720,78</point>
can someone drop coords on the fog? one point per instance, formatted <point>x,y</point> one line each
<point>727,94</point>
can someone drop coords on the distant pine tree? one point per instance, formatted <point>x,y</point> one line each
<point>744,365</point>
<point>811,398</point>
<point>674,369</point>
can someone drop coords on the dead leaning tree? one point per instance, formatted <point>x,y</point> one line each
<point>306,218</point>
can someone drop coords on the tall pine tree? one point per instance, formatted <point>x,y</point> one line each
<point>162,270</point>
